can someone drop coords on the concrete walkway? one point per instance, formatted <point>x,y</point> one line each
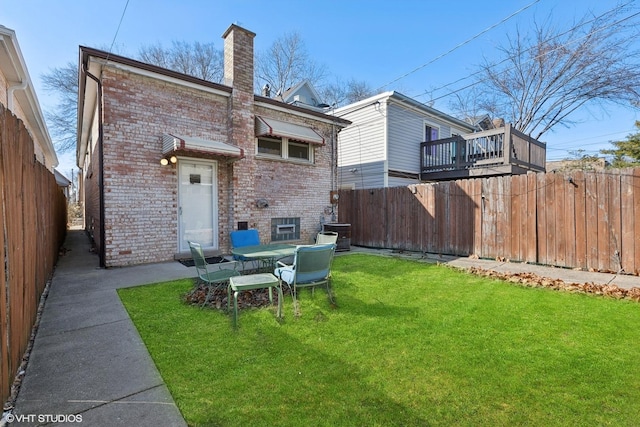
<point>565,274</point>
<point>89,360</point>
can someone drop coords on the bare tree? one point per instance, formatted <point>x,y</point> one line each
<point>200,60</point>
<point>545,78</point>
<point>287,63</point>
<point>197,59</point>
<point>63,119</point>
<point>342,93</point>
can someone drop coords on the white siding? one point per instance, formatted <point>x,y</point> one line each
<point>406,132</point>
<point>366,175</point>
<point>364,140</point>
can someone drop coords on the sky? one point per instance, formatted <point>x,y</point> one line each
<point>411,46</point>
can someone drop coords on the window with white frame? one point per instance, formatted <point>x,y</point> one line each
<point>431,133</point>
<point>284,148</point>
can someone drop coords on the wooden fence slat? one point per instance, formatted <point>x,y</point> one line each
<point>569,231</point>
<point>467,217</point>
<point>560,189</point>
<point>503,240</point>
<point>5,379</point>
<point>591,187</point>
<point>532,219</point>
<point>489,217</point>
<point>636,220</point>
<point>580,220</point>
<point>34,223</point>
<point>477,216</point>
<point>14,240</point>
<point>629,228</point>
<point>517,198</point>
<point>603,222</point>
<point>542,233</point>
<point>615,223</point>
<point>577,219</point>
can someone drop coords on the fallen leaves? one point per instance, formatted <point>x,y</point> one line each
<point>254,298</point>
<point>533,280</point>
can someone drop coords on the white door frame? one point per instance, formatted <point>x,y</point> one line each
<point>189,211</point>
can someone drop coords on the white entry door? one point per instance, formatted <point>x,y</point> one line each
<point>198,204</point>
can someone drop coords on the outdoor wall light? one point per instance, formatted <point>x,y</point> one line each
<point>164,161</point>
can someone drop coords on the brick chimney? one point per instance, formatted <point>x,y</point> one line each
<point>238,73</point>
<point>238,58</point>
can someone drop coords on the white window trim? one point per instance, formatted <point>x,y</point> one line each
<point>284,149</point>
<point>432,125</point>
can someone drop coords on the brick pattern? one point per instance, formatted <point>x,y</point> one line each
<point>141,196</point>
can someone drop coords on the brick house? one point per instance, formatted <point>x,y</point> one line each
<point>166,158</point>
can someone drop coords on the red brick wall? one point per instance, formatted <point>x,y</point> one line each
<point>92,199</point>
<point>293,189</point>
<point>141,199</point>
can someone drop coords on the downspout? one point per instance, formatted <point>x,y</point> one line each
<point>11,89</point>
<point>100,164</point>
<point>334,167</point>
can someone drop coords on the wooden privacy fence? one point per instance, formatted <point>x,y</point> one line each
<point>33,211</point>
<point>587,220</point>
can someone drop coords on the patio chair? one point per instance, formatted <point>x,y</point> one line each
<point>311,267</point>
<point>240,238</point>
<point>326,237</point>
<point>214,277</point>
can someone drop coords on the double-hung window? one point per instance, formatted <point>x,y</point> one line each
<point>284,148</point>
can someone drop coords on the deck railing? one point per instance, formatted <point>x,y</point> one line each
<point>490,149</point>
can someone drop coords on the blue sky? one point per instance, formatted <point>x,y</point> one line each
<point>401,45</point>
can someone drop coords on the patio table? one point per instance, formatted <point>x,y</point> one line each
<point>267,254</point>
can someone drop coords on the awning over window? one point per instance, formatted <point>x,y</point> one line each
<point>197,147</point>
<point>273,127</point>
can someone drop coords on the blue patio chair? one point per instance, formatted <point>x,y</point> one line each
<point>311,267</point>
<point>214,275</point>
<point>241,238</point>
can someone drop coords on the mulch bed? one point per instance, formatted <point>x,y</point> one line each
<point>254,298</point>
<point>188,262</point>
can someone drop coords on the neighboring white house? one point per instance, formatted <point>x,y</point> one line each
<point>18,95</point>
<point>381,148</point>
<point>64,183</point>
<point>303,95</point>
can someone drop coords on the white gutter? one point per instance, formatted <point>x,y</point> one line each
<point>11,89</point>
<point>20,88</point>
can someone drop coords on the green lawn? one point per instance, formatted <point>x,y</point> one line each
<point>409,344</point>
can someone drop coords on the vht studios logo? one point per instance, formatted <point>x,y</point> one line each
<point>43,418</point>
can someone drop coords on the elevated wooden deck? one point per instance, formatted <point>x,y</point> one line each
<point>503,151</point>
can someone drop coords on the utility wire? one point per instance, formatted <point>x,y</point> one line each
<point>459,45</point>
<point>117,29</point>
<point>509,58</point>
<point>581,24</point>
